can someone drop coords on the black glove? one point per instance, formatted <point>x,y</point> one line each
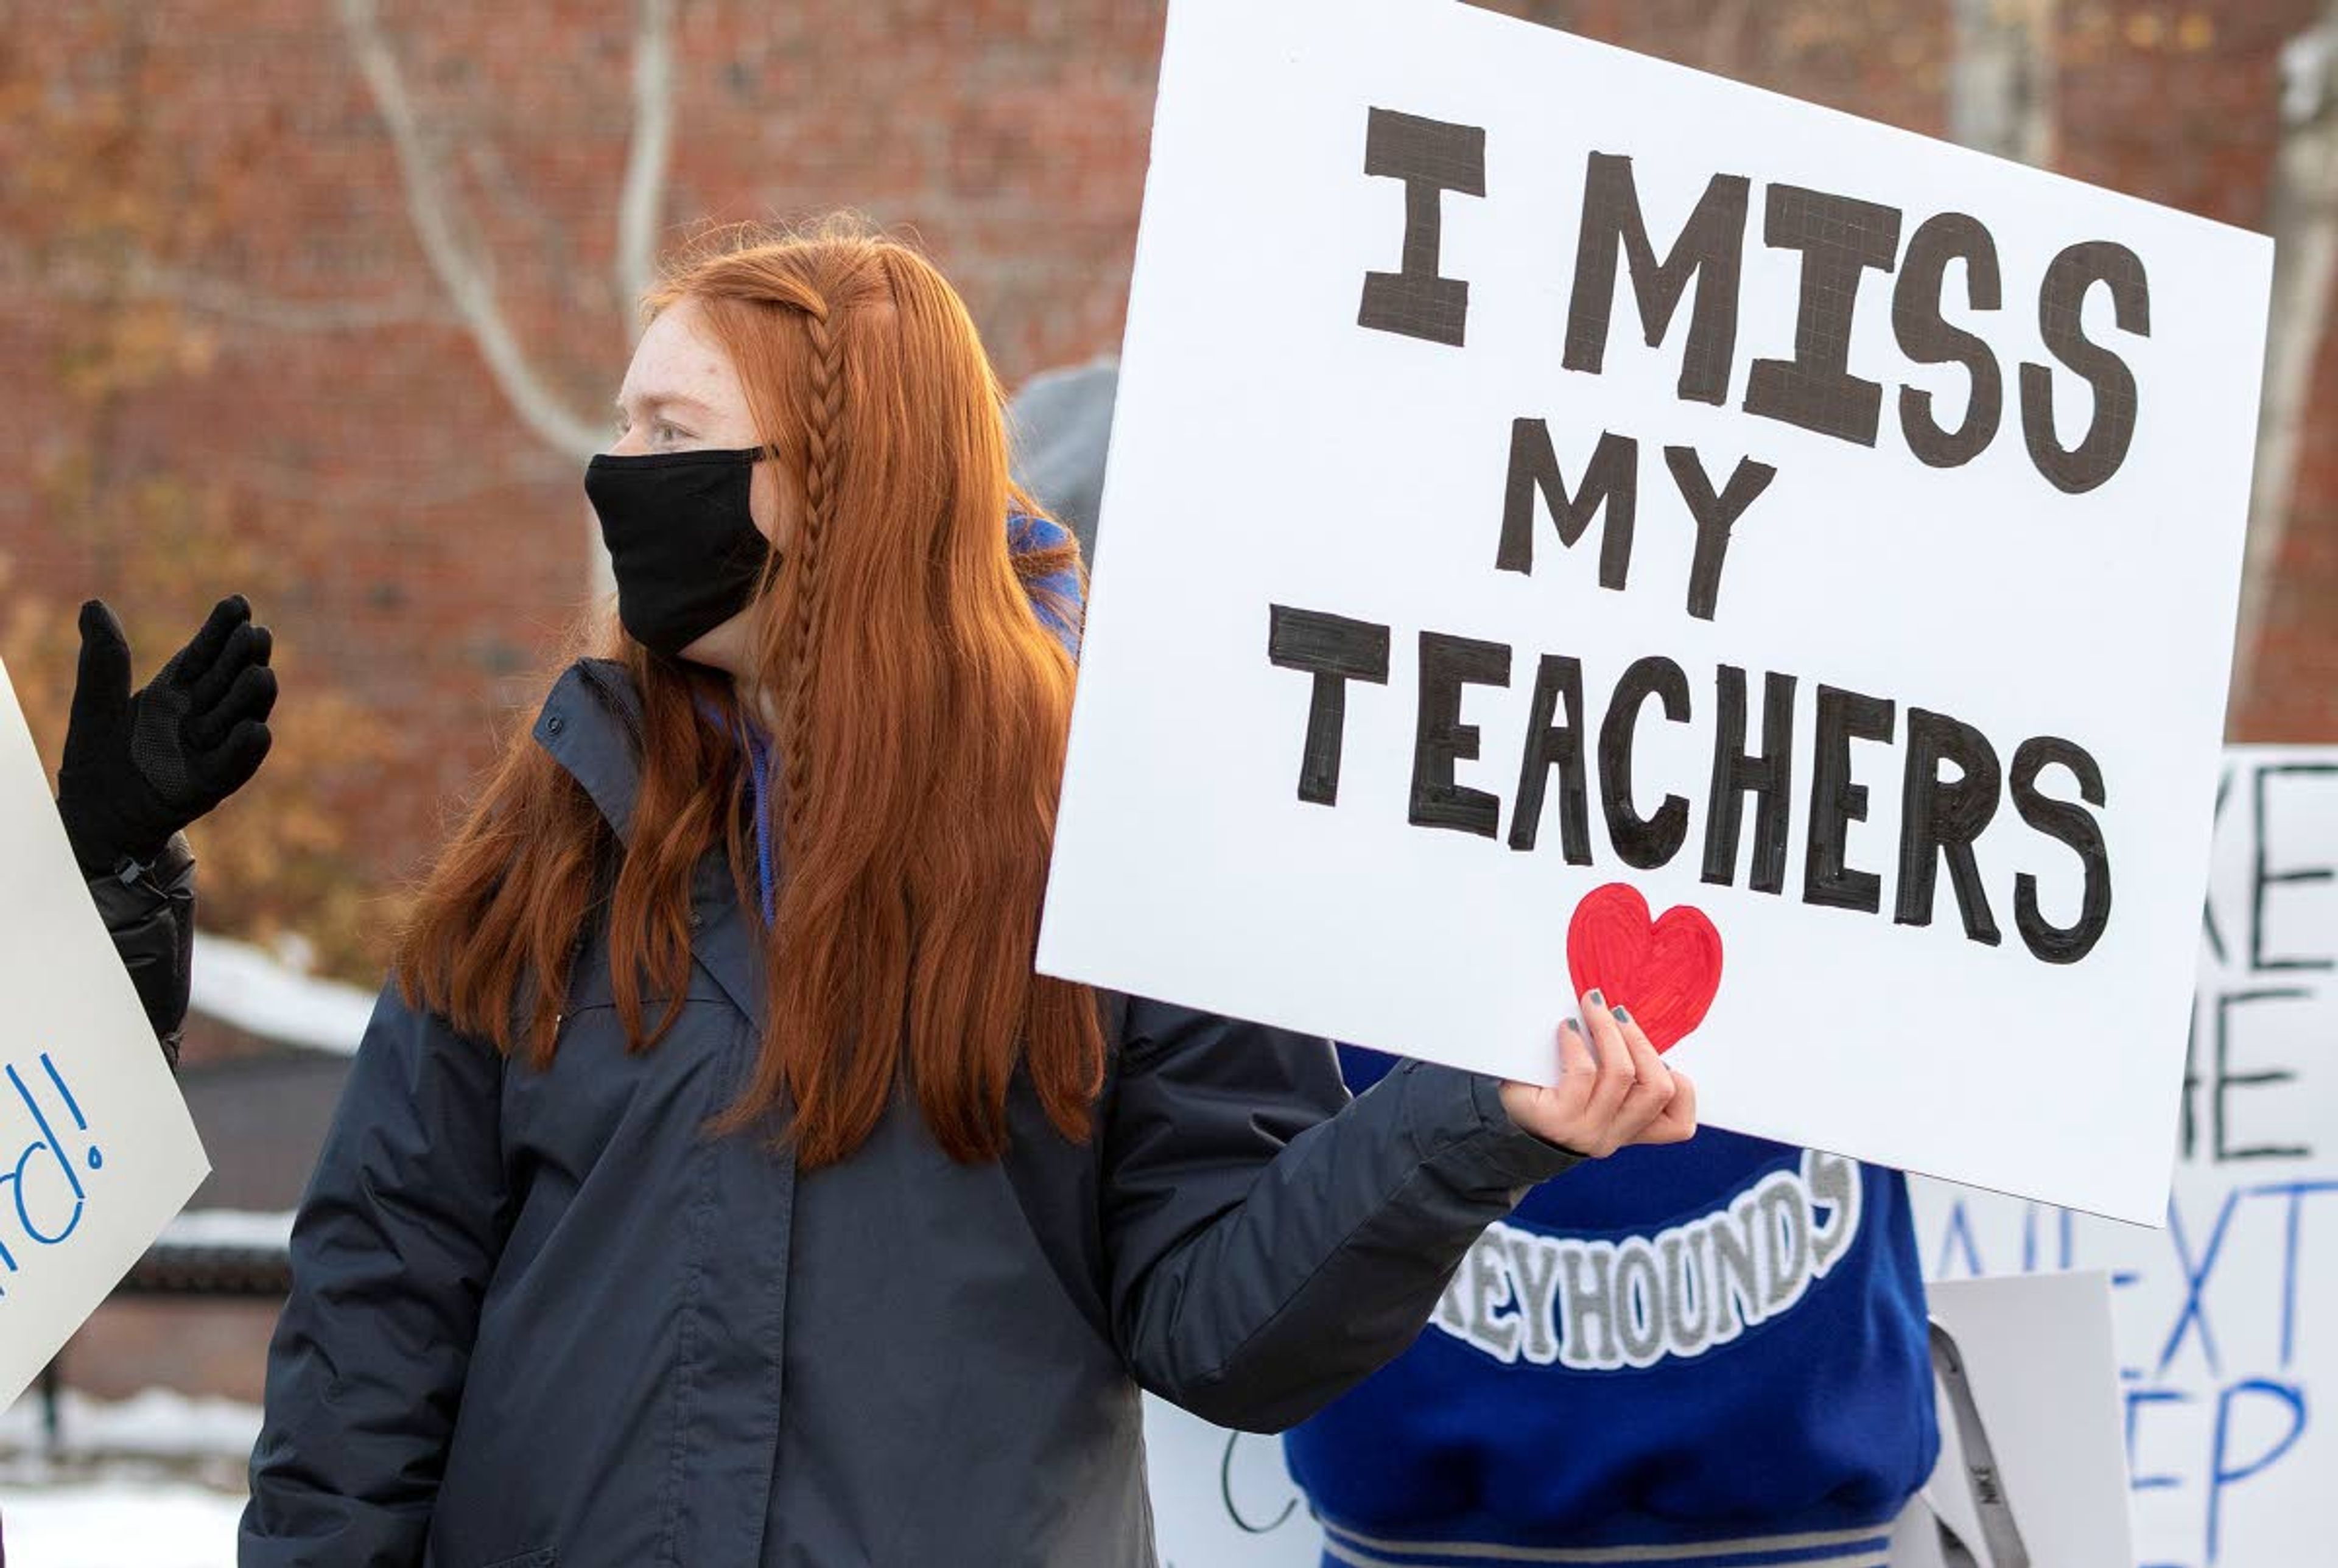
<point>139,768</point>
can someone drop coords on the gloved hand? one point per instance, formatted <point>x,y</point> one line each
<point>139,766</point>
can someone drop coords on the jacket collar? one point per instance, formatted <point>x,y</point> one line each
<point>591,725</point>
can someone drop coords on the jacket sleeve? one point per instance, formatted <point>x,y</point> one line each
<point>391,1254</point>
<point>1268,1247</point>
<point>150,911</point>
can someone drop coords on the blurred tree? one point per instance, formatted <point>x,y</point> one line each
<point>2303,222</point>
<point>464,267</point>
<point>2002,78</point>
<point>103,206</point>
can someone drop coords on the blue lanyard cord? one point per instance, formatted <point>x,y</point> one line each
<point>759,774</point>
<point>757,752</point>
<point>1027,532</point>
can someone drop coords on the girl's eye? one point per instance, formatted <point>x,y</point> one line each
<point>661,432</point>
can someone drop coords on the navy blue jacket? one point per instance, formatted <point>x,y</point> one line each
<point>1700,1356</point>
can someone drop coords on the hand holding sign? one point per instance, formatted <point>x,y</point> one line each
<point>1622,1095</point>
<point>97,1151</point>
<point>1667,970</point>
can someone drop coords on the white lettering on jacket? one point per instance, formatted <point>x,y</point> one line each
<point>1598,1306</point>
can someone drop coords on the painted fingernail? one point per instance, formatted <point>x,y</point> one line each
<point>1621,1016</point>
<point>1594,999</point>
<point>1570,1026</point>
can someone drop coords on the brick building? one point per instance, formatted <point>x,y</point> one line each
<point>238,363</point>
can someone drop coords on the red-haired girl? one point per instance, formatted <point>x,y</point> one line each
<point>717,1183</point>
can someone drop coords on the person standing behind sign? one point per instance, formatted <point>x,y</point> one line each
<point>140,768</point>
<point>716,1183</point>
<point>1716,1353</point>
<point>1720,1356</point>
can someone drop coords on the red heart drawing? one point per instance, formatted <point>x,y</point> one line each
<point>1666,972</point>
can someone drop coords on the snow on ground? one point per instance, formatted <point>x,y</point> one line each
<point>202,1227</point>
<point>157,1424</point>
<point>260,993</point>
<point>123,1489</point>
<point>120,1524</point>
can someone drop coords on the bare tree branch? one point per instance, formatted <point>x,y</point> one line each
<point>1724,37</point>
<point>463,270</point>
<point>643,196</point>
<point>2002,78</point>
<point>2305,223</point>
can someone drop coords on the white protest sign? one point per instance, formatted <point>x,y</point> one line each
<point>96,1151</point>
<point>1877,618</point>
<point>2227,1320</point>
<point>2031,1466</point>
<point>1223,1499</point>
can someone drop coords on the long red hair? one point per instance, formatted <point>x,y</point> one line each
<point>921,710</point>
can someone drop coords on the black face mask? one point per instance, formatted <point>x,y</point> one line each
<point>681,540</point>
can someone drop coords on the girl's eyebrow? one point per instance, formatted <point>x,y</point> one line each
<point>668,400</point>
